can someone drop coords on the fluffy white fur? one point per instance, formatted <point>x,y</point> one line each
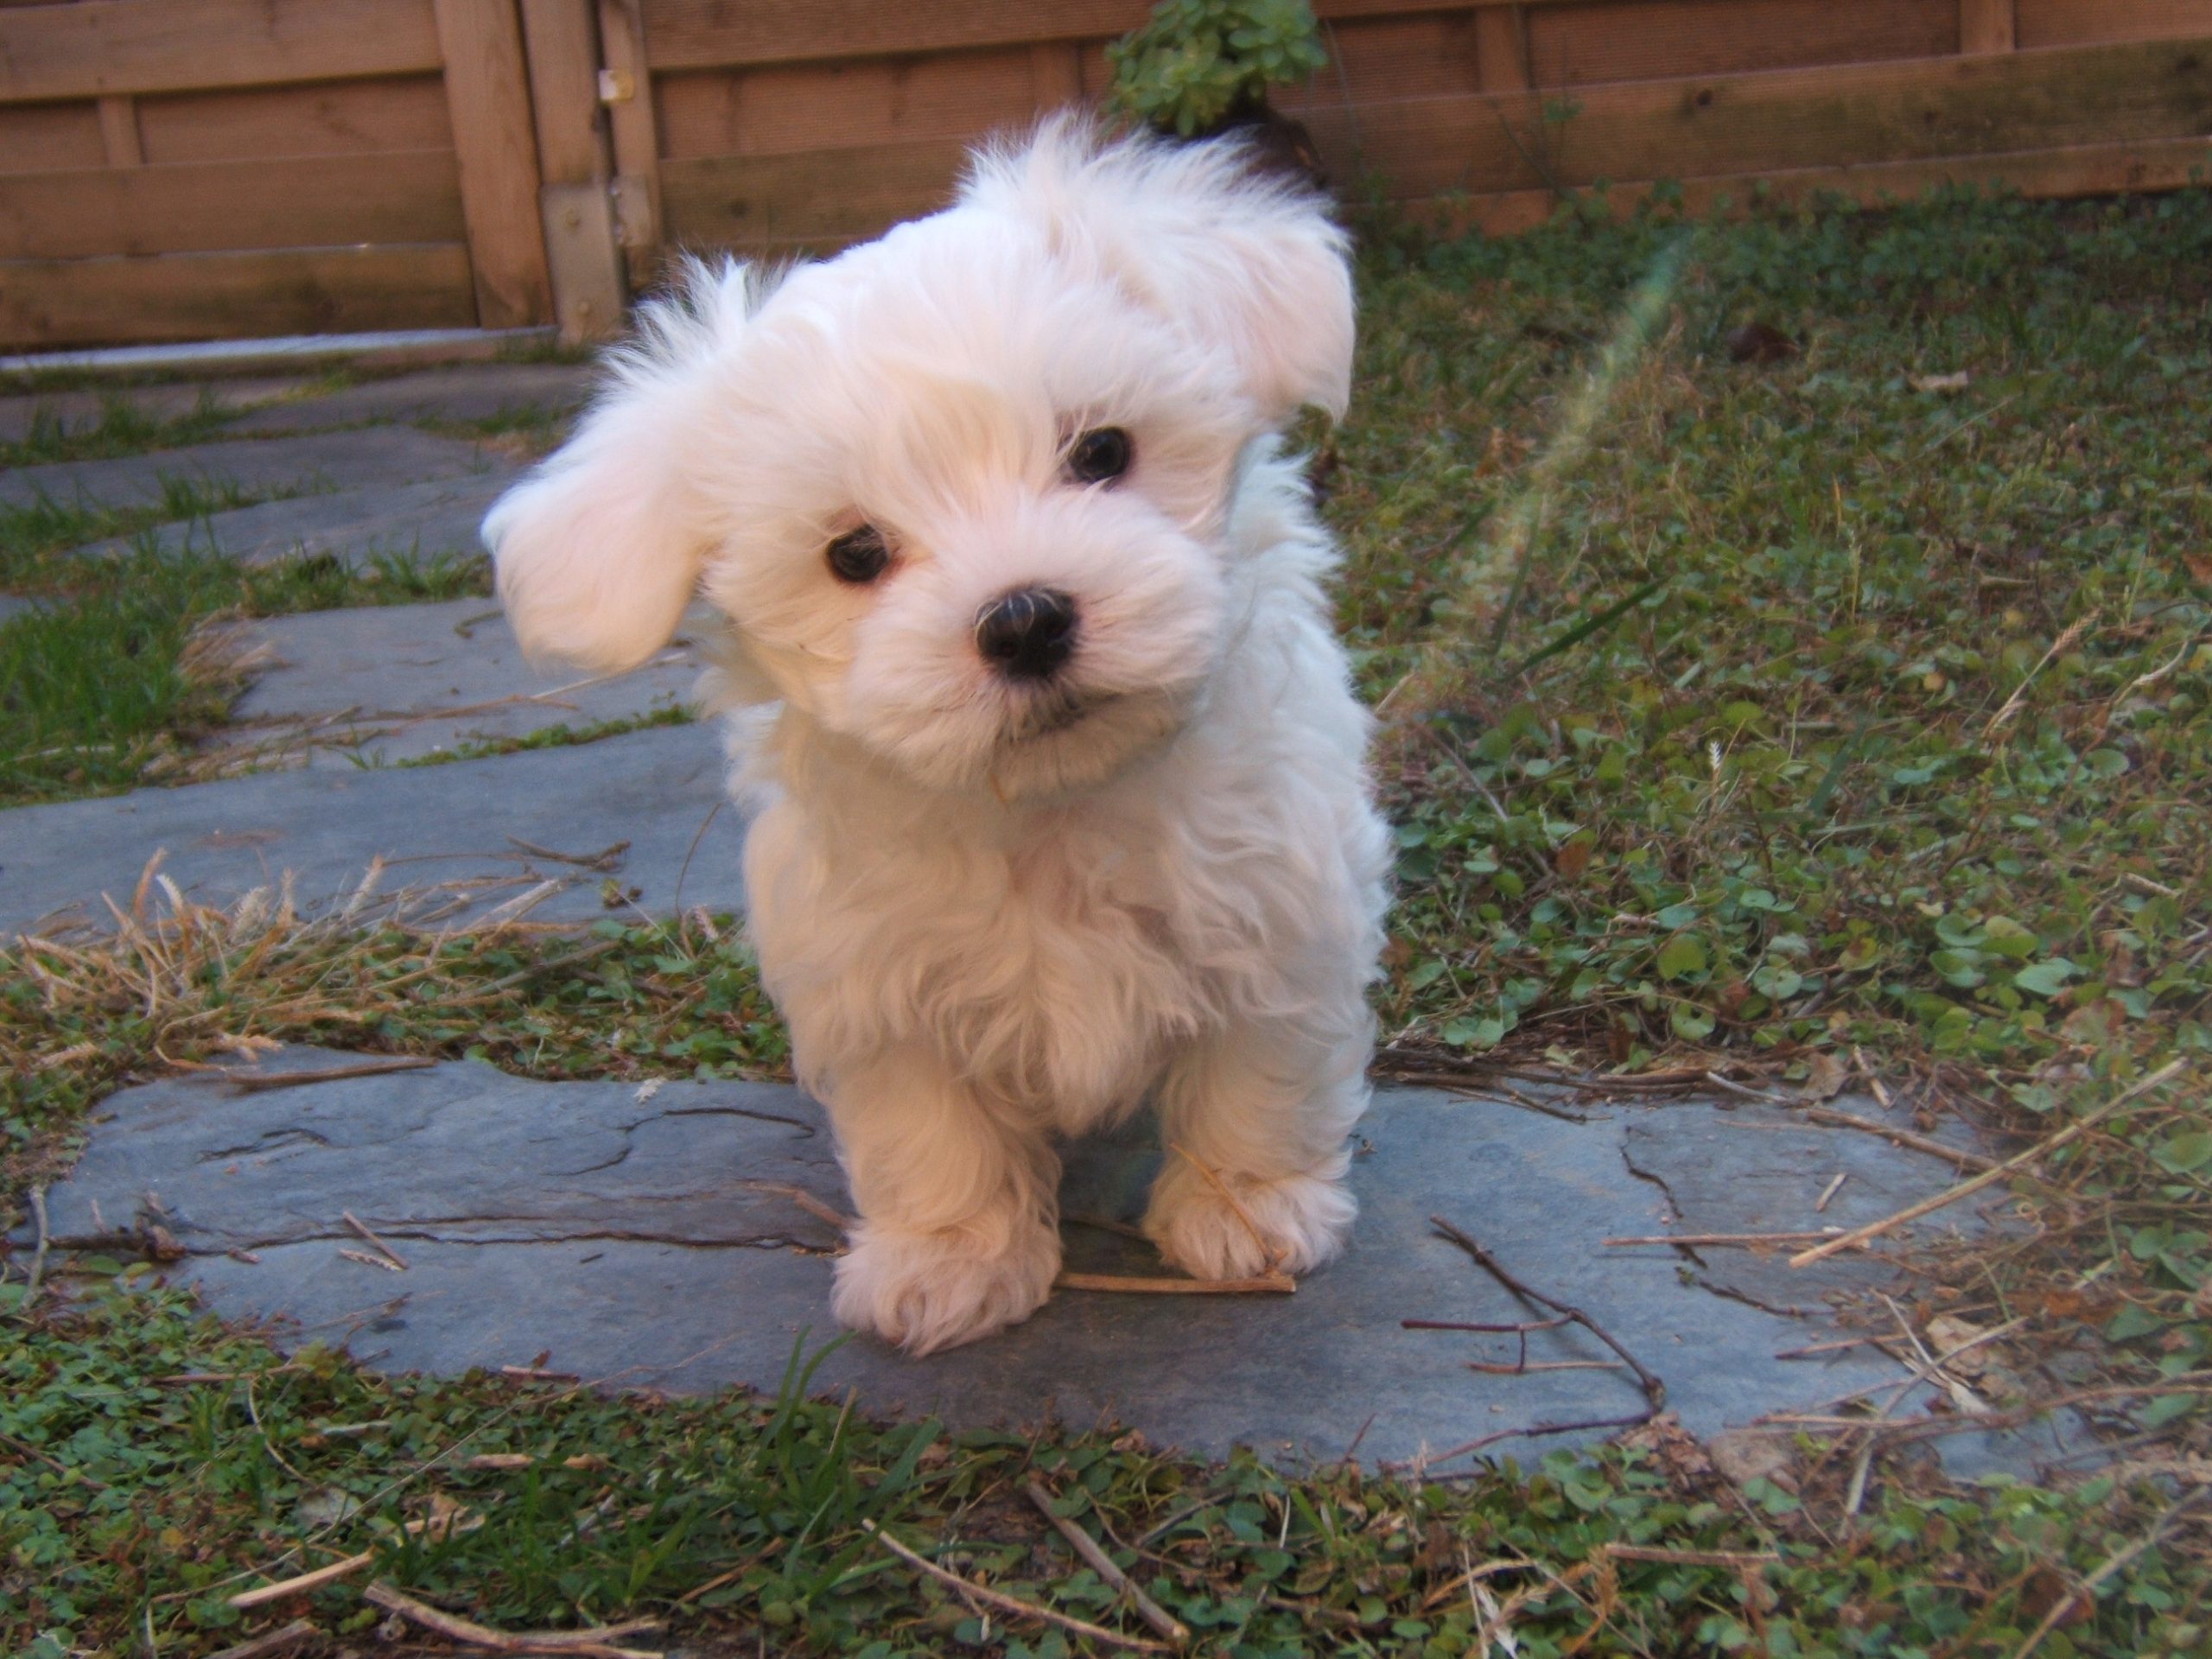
<point>995,913</point>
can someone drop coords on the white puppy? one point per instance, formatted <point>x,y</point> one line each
<point>1055,766</point>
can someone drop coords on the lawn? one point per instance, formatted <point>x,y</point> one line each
<point>1791,641</point>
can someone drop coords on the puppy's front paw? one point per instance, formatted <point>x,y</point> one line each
<point>927,1291</point>
<point>1301,1220</point>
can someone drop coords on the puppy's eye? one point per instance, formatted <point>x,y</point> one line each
<point>859,555</point>
<point>1100,455</point>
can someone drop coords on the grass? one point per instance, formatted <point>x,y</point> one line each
<point>1819,717</point>
<point>109,686</point>
<point>123,429</point>
<point>112,684</point>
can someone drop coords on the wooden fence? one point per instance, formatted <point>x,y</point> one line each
<point>183,169</point>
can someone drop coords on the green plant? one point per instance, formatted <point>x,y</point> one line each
<point>1198,62</point>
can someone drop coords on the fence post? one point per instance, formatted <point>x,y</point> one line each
<point>487,95</point>
<point>562,40</point>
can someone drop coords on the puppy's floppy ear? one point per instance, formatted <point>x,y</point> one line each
<point>1234,258</point>
<point>598,549</point>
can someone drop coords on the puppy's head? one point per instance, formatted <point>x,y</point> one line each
<point>961,493</point>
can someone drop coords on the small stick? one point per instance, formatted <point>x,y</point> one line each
<point>1268,1254</point>
<point>804,1199</point>
<point>1990,1176</point>
<point>38,1255</point>
<point>721,1579</point>
<point>1747,1092</point>
<point>280,1639</point>
<point>246,1600</point>
<point>1813,1348</point>
<point>1487,1330</point>
<point>1489,1369</point>
<point>366,1260</point>
<point>1276,1283</point>
<point>1859,1059</point>
<point>602,861</point>
<point>2080,1599</point>
<point>362,1227</point>
<point>1104,1565</point>
<point>1836,1120</point>
<point>599,1640</point>
<point>1734,1558</point>
<point>1821,1204</point>
<point>1712,1240</point>
<point>253,1083</point>
<point>534,1374</point>
<point>1654,1391</point>
<point>1010,1604</point>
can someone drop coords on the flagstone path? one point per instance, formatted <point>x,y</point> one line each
<point>652,1238</point>
<point>648,1237</point>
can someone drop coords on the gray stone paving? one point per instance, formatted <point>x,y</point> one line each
<point>629,1231</point>
<point>11,604</point>
<point>466,828</point>
<point>339,688</point>
<point>463,392</point>
<point>379,455</point>
<point>639,1236</point>
<point>75,411</point>
<point>436,518</point>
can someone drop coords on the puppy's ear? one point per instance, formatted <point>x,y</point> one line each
<point>598,549</point>
<point>1238,259</point>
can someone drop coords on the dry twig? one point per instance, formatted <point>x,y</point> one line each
<point>806,1200</point>
<point>999,1598</point>
<point>1890,1132</point>
<point>598,1643</point>
<point>1990,1176</point>
<point>1268,1254</point>
<point>246,1600</point>
<point>362,1227</point>
<point>2066,1605</point>
<point>254,1083</point>
<point>1277,1283</point>
<point>1711,1241</point>
<point>1654,1391</point>
<point>38,1255</point>
<point>1105,1567</point>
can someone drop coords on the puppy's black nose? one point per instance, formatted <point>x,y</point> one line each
<point>1028,634</point>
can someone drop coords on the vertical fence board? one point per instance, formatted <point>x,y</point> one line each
<point>487,93</point>
<point>1986,26</point>
<point>119,131</point>
<point>628,86</point>
<point>561,38</point>
<point>1501,48</point>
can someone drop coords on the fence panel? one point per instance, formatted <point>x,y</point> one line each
<point>179,169</point>
<point>173,169</point>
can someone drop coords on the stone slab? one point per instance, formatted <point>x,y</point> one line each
<point>465,829</point>
<point>394,455</point>
<point>11,604</point>
<point>438,517</point>
<point>462,392</point>
<point>638,1236</point>
<point>76,412</point>
<point>403,682</point>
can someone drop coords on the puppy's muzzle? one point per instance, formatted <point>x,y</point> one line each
<point>1027,634</point>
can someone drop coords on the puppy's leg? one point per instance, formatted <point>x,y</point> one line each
<point>959,1233</point>
<point>1266,1109</point>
